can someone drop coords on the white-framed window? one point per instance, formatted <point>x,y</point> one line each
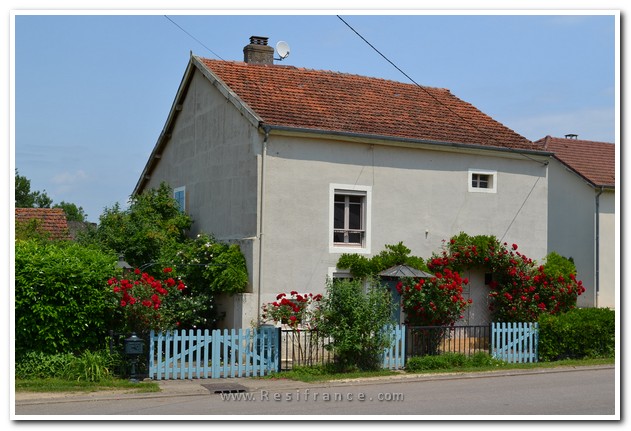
<point>482,181</point>
<point>349,218</point>
<point>179,194</point>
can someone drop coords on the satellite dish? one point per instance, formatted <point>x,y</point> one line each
<point>282,48</point>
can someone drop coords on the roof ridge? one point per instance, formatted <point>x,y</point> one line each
<point>325,71</point>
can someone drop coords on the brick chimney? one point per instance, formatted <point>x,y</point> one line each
<point>258,52</point>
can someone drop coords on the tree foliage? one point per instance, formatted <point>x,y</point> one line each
<point>25,198</point>
<point>72,211</point>
<point>152,222</point>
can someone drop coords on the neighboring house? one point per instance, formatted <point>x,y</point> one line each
<point>298,166</point>
<point>51,221</point>
<point>582,208</point>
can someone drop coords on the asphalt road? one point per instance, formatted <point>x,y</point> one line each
<point>581,393</point>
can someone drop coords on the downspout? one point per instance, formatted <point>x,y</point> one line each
<point>266,129</point>
<point>597,281</point>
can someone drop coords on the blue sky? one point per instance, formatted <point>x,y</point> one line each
<point>92,92</point>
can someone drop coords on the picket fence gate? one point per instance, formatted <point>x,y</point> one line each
<point>394,356</point>
<point>515,342</point>
<point>202,355</point>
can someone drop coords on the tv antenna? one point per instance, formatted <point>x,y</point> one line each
<point>282,48</point>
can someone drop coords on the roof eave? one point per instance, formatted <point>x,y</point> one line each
<point>587,180</point>
<point>399,140</point>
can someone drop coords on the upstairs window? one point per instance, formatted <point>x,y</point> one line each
<point>350,219</point>
<point>482,181</point>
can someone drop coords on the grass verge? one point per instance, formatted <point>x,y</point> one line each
<point>322,373</point>
<point>61,385</point>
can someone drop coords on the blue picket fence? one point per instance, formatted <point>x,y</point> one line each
<point>394,356</point>
<point>197,354</point>
<point>201,355</point>
<point>515,342</point>
<point>247,352</point>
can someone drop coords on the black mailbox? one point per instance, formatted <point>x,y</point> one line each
<point>134,345</point>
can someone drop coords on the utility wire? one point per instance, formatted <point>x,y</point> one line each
<point>379,52</point>
<point>194,38</point>
<point>455,113</point>
<point>423,88</point>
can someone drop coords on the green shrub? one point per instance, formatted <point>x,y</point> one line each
<point>92,367</point>
<point>60,290</point>
<point>579,333</point>
<point>483,359</point>
<point>88,367</point>
<point>38,365</point>
<point>429,362</point>
<point>354,320</point>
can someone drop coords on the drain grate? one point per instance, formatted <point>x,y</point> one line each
<point>225,388</point>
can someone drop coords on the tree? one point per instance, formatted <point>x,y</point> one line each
<point>153,233</point>
<point>73,213</point>
<point>152,223</point>
<point>25,198</point>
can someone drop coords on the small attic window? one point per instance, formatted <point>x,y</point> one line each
<point>482,181</point>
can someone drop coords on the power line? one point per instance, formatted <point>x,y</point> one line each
<point>455,113</point>
<point>379,52</point>
<point>194,38</point>
<point>423,88</point>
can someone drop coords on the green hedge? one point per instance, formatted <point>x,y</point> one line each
<point>60,297</point>
<point>579,333</point>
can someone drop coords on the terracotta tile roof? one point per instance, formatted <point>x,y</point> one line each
<point>53,220</point>
<point>594,161</point>
<point>330,101</point>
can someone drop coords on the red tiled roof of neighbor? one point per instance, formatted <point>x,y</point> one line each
<point>301,98</point>
<point>594,161</point>
<point>53,220</point>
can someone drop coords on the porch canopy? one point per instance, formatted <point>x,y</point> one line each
<point>404,271</point>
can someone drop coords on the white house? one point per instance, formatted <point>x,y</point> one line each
<point>581,218</point>
<point>298,166</point>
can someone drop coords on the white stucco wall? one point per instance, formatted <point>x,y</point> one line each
<point>214,153</point>
<point>419,196</point>
<point>572,232</point>
<point>607,252</point>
